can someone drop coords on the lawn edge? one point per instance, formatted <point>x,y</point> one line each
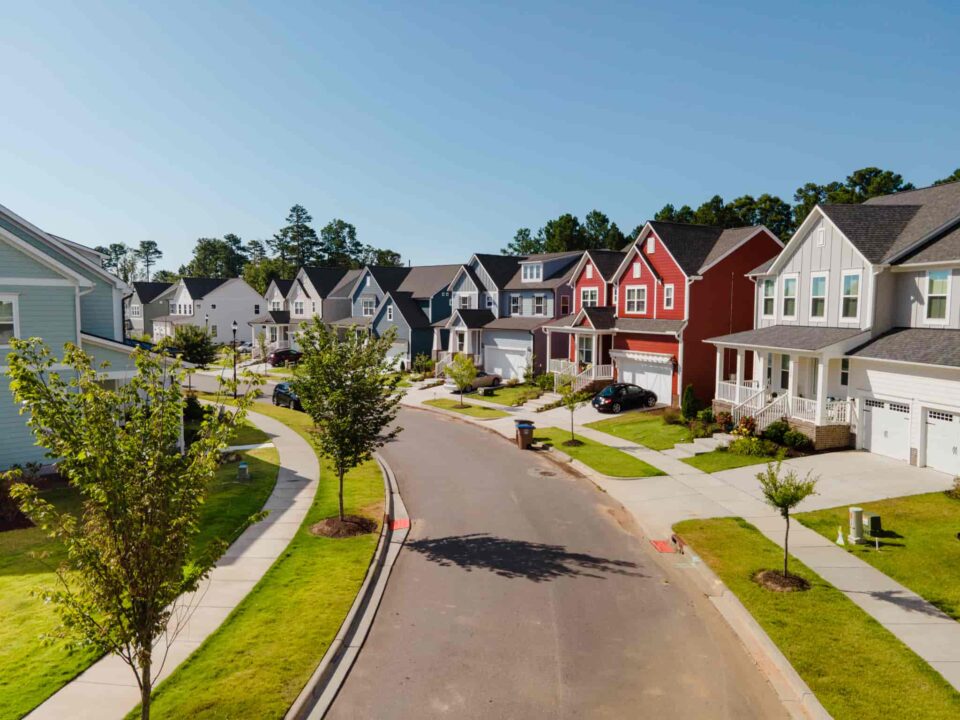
<point>321,689</point>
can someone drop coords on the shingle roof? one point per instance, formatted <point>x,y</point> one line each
<point>410,309</point>
<point>696,246</point>
<point>362,321</point>
<point>927,346</point>
<point>500,268</point>
<point>273,317</point>
<point>474,319</point>
<point>199,288</point>
<point>603,318</point>
<point>558,276</point>
<point>342,288</point>
<point>762,269</point>
<point>789,337</point>
<point>325,279</point>
<point>283,285</point>
<point>873,229</point>
<point>425,281</point>
<point>517,322</point>
<point>937,206</point>
<point>147,291</point>
<point>648,325</point>
<point>607,262</point>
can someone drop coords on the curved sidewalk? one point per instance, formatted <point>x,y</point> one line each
<point>107,689</point>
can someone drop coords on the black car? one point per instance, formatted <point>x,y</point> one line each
<point>284,357</point>
<point>623,396</point>
<point>284,396</point>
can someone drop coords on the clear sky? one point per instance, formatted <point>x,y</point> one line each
<point>440,128</point>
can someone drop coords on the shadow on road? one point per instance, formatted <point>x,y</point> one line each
<point>518,558</point>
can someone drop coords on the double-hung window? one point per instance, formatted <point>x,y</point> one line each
<point>818,296</point>
<point>845,372</point>
<point>368,305</point>
<point>789,297</point>
<point>850,295</point>
<point>784,372</point>
<point>463,302</point>
<point>532,272</point>
<point>9,319</point>
<point>769,298</point>
<point>564,305</point>
<point>461,341</point>
<point>539,304</point>
<point>938,294</point>
<point>515,306</point>
<point>298,307</point>
<point>668,296</point>
<point>585,349</point>
<point>589,297</point>
<point>390,313</point>
<point>636,299</point>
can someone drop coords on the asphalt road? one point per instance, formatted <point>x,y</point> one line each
<point>524,592</point>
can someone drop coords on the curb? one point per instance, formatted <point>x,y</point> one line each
<point>321,689</point>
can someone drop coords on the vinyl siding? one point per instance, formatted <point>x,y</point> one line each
<point>596,282</point>
<point>16,440</point>
<point>45,312</point>
<point>909,300</point>
<point>527,302</point>
<point>14,263</point>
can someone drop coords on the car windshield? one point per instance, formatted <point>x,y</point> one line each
<point>609,391</point>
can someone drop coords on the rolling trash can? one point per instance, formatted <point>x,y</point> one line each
<point>524,433</point>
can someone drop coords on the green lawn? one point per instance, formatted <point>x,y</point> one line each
<point>511,395</point>
<point>30,671</point>
<point>477,411</point>
<point>644,428</point>
<point>602,458</point>
<point>247,434</point>
<point>257,662</point>
<point>919,548</point>
<point>856,668</point>
<point>718,460</point>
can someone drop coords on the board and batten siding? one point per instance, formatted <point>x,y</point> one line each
<point>834,256</point>
<point>464,286</point>
<point>911,305</point>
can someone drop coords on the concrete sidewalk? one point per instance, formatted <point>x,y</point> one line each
<point>107,690</point>
<point>846,478</point>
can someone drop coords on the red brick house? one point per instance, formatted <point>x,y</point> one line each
<point>641,315</point>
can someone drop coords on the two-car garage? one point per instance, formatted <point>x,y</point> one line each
<point>887,428</point>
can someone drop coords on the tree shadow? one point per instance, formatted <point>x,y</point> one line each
<point>518,558</point>
<point>910,603</point>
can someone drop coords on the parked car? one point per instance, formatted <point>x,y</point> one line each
<point>284,357</point>
<point>482,380</point>
<point>284,396</point>
<point>623,396</point>
<point>244,347</point>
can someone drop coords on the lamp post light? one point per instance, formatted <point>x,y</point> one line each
<point>233,327</point>
<point>206,320</point>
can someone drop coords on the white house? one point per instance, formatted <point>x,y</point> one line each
<point>212,303</point>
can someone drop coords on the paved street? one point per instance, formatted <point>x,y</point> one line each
<point>522,592</point>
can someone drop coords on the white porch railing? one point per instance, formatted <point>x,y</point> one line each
<point>591,374</point>
<point>838,412</point>
<point>727,391</point>
<point>803,409</point>
<point>559,365</point>
<point>748,408</point>
<point>779,408</point>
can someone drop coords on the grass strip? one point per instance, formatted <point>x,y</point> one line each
<point>644,428</point>
<point>722,459</point>
<point>477,411</point>
<point>600,457</point>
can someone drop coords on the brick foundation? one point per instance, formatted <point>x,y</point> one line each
<point>824,437</point>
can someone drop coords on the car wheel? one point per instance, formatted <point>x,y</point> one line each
<point>651,400</point>
<point>615,408</point>
<point>496,381</point>
<point>275,400</point>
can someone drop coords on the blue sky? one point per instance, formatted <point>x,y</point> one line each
<point>440,128</point>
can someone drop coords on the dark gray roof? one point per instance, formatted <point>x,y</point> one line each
<point>558,276</point>
<point>147,291</point>
<point>607,262</point>
<point>410,309</point>
<point>927,346</point>
<point>937,206</point>
<point>648,325</point>
<point>273,317</point>
<point>283,285</point>
<point>873,229</point>
<point>500,268</point>
<point>603,318</point>
<point>517,322</point>
<point>325,279</point>
<point>789,337</point>
<point>425,281</point>
<point>388,277</point>
<point>342,288</point>
<point>351,320</point>
<point>474,319</point>
<point>199,288</point>
<point>696,246</point>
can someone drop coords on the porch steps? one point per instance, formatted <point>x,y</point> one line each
<point>697,447</point>
<point>545,399</point>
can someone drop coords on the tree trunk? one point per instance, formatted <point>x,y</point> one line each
<point>145,691</point>
<point>786,544</point>
<point>572,436</point>
<point>461,397</point>
<point>340,473</point>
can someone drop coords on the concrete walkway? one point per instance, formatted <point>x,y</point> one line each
<point>846,478</point>
<point>107,690</point>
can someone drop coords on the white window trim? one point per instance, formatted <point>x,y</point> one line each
<point>843,275</point>
<point>584,291</point>
<point>589,271</point>
<point>640,300</point>
<point>651,244</point>
<point>926,298</point>
<point>390,314</point>
<point>14,299</point>
<point>636,269</point>
<point>531,272</point>
<point>763,297</point>
<point>668,296</point>
<point>543,304</point>
<point>516,305</point>
<point>825,274</point>
<point>784,297</point>
<point>363,307</point>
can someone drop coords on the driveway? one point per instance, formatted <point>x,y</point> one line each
<point>523,591</point>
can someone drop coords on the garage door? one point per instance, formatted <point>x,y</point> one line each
<point>943,441</point>
<point>650,376</point>
<point>506,363</point>
<point>886,428</point>
<point>398,355</point>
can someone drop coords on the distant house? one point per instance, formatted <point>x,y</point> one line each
<point>141,308</point>
<point>57,290</point>
<point>211,303</point>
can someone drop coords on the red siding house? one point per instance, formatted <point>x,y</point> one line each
<point>642,315</point>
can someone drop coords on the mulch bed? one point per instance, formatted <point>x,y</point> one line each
<point>572,443</point>
<point>350,526</point>
<point>776,581</point>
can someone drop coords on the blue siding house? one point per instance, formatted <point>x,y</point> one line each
<point>58,290</point>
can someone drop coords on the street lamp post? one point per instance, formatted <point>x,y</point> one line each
<point>233,327</point>
<point>206,320</point>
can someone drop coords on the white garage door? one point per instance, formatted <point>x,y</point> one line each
<point>886,428</point>
<point>504,362</point>
<point>398,354</point>
<point>650,376</point>
<point>943,441</point>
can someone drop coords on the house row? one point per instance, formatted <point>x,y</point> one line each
<point>855,336</point>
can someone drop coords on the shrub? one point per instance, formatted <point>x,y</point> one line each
<point>954,492</point>
<point>776,430</point>
<point>753,447</point>
<point>422,363</point>
<point>796,440</point>
<point>671,416</point>
<point>725,420</point>
<point>689,403</point>
<point>544,382</point>
<point>706,416</point>
<point>512,382</point>
<point>746,427</point>
<point>193,411</point>
<point>700,429</point>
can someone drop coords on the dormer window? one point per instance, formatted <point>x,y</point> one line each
<point>532,272</point>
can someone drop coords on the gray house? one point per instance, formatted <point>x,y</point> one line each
<point>140,308</point>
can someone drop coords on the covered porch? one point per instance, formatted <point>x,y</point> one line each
<point>587,359</point>
<point>275,330</point>
<point>464,337</point>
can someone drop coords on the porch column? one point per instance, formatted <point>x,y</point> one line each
<point>759,371</point>
<point>821,391</point>
<point>549,343</point>
<point>596,357</point>
<point>741,364</point>
<point>792,380</point>
<point>719,372</point>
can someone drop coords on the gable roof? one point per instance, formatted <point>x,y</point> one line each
<point>324,279</point>
<point>606,261</point>
<point>938,213</point>
<point>388,277</point>
<point>425,281</point>
<point>199,288</point>
<point>343,288</point>
<point>408,308</point>
<point>283,285</point>
<point>873,229</point>
<point>924,346</point>
<point>500,268</point>
<point>473,319</point>
<point>560,275</point>
<point>696,247</point>
<point>147,291</point>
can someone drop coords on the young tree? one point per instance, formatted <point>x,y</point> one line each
<point>572,400</point>
<point>347,386</point>
<point>689,404</point>
<point>148,253</point>
<point>194,344</point>
<point>785,493</point>
<point>129,553</point>
<point>462,372</point>
<point>262,345</point>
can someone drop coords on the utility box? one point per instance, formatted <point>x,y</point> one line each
<point>243,472</point>
<point>856,525</point>
<point>871,524</point>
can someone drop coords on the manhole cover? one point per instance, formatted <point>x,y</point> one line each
<point>539,472</point>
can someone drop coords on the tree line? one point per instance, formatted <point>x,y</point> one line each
<point>598,232</point>
<point>295,244</point>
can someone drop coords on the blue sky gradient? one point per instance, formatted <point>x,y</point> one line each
<point>439,128</point>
